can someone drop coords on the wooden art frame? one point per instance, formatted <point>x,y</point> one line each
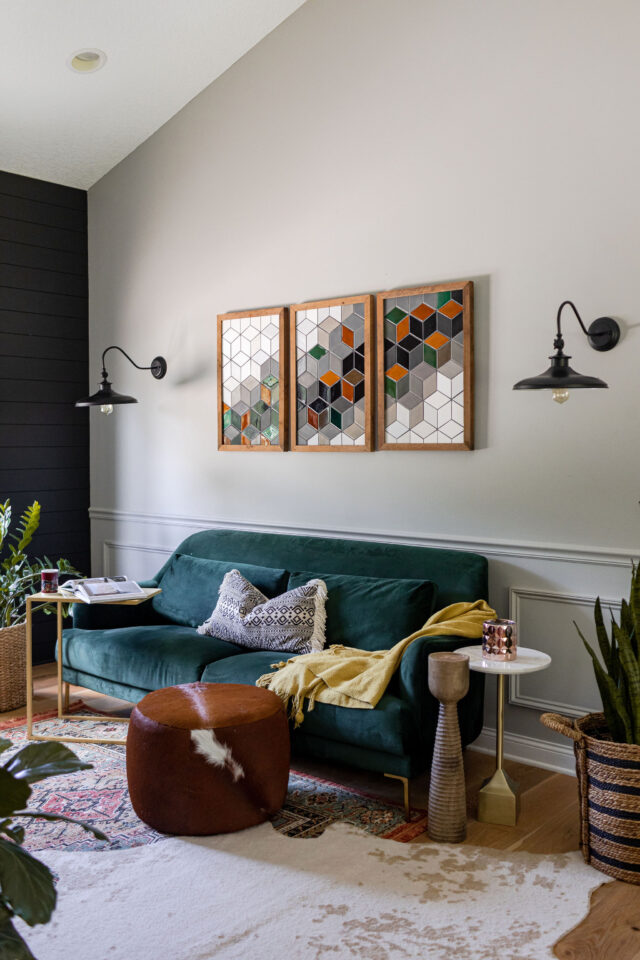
<point>425,349</point>
<point>332,375</point>
<point>253,375</point>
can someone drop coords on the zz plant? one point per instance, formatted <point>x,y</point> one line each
<point>18,574</point>
<point>618,676</point>
<point>27,887</point>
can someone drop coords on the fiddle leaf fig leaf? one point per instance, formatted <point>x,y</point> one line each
<point>27,884</point>
<point>37,761</point>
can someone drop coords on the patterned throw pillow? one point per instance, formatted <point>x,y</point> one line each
<point>294,622</point>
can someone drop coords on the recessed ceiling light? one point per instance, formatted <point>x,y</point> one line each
<point>87,61</point>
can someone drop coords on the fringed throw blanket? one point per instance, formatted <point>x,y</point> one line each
<point>348,677</point>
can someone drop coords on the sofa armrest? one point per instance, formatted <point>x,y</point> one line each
<point>107,616</point>
<point>411,683</point>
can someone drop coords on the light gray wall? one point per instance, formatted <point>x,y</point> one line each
<point>367,144</point>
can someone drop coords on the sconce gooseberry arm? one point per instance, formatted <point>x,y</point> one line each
<point>106,396</point>
<point>603,334</point>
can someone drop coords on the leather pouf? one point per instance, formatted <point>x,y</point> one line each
<point>206,758</point>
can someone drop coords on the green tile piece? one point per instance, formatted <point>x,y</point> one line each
<point>317,352</point>
<point>270,381</point>
<point>396,315</point>
<point>275,417</point>
<point>444,297</point>
<point>260,407</point>
<point>336,418</point>
<point>390,387</point>
<point>271,433</point>
<point>430,355</point>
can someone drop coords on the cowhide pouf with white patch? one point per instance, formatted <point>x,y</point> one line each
<point>206,758</point>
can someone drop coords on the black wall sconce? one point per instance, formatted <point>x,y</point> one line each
<point>603,334</point>
<point>106,397</point>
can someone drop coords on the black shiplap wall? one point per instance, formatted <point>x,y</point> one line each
<point>44,440</point>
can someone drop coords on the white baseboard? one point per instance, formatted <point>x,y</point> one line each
<point>539,753</point>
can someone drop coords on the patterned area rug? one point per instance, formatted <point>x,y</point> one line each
<point>346,895</point>
<point>101,798</point>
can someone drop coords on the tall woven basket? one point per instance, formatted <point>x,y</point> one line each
<point>13,684</point>
<point>609,793</point>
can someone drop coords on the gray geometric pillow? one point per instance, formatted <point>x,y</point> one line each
<point>294,622</point>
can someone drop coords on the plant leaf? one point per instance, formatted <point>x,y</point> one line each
<point>14,833</point>
<point>27,884</point>
<point>5,744</point>
<point>37,761</point>
<point>612,702</point>
<point>12,946</point>
<point>27,526</point>
<point>37,814</point>
<point>13,793</point>
<point>603,637</point>
<point>632,671</point>
<point>634,602</point>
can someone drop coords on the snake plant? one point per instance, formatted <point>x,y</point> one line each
<point>20,576</point>
<point>618,676</point>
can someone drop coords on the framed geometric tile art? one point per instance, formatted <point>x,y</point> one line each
<point>425,368</point>
<point>252,380</point>
<point>332,374</point>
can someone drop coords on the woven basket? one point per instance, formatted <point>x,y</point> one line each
<point>609,793</point>
<point>13,684</point>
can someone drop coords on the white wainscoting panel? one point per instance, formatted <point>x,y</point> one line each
<point>545,621</point>
<point>135,560</point>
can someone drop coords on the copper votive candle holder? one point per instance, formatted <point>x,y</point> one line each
<point>499,640</point>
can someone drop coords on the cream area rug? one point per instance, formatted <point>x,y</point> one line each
<point>345,894</point>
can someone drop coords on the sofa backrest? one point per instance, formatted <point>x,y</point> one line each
<point>458,574</point>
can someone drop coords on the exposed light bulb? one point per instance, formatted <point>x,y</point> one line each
<point>560,395</point>
<point>106,408</point>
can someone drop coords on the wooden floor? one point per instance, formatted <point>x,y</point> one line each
<point>548,823</point>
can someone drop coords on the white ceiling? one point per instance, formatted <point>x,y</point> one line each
<point>72,128</point>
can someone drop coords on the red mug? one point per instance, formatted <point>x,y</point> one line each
<point>49,581</point>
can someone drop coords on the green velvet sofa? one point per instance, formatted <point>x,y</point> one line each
<point>127,651</point>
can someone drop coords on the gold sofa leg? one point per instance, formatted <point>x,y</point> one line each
<point>405,791</point>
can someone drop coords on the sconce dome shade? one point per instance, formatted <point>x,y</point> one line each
<point>105,396</point>
<point>559,376</point>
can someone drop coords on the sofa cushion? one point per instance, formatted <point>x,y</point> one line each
<point>372,613</point>
<point>145,657</point>
<point>389,727</point>
<point>293,622</point>
<point>190,586</point>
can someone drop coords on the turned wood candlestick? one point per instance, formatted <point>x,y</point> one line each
<point>448,682</point>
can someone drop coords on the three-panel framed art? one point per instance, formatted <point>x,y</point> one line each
<point>391,372</point>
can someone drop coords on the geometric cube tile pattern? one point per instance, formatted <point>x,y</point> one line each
<point>423,368</point>
<point>330,375</point>
<point>251,381</point>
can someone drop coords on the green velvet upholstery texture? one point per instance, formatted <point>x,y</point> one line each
<point>128,651</point>
<point>389,728</point>
<point>148,657</point>
<point>190,586</point>
<point>372,613</point>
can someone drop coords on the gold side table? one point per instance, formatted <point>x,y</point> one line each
<point>499,799</point>
<point>35,602</point>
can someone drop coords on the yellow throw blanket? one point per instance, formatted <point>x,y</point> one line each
<point>348,677</point>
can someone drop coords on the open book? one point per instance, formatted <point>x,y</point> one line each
<point>102,589</point>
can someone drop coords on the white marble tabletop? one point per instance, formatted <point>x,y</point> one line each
<point>527,661</point>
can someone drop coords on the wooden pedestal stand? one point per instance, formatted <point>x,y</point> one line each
<point>448,682</point>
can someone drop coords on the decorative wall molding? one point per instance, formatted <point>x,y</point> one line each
<point>517,696</point>
<point>109,547</point>
<point>487,547</point>
<point>558,757</point>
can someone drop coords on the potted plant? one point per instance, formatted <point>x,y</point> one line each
<point>27,887</point>
<point>19,576</point>
<point>607,745</point>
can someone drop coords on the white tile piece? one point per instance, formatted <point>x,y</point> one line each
<point>304,326</point>
<point>457,412</point>
<point>457,385</point>
<point>444,414</point>
<point>429,414</point>
<point>359,441</point>
<point>438,399</point>
<point>444,385</point>
<point>450,429</point>
<point>313,441</point>
<point>270,329</point>
<point>395,429</point>
<point>336,441</point>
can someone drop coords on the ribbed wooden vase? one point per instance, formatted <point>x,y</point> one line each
<point>448,682</point>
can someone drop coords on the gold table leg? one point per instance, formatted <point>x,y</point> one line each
<point>405,792</point>
<point>499,799</point>
<point>62,691</point>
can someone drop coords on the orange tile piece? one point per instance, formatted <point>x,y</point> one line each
<point>347,336</point>
<point>330,377</point>
<point>436,340</point>
<point>348,391</point>
<point>225,407</point>
<point>245,420</point>
<point>423,311</point>
<point>402,329</point>
<point>451,309</point>
<point>396,372</point>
